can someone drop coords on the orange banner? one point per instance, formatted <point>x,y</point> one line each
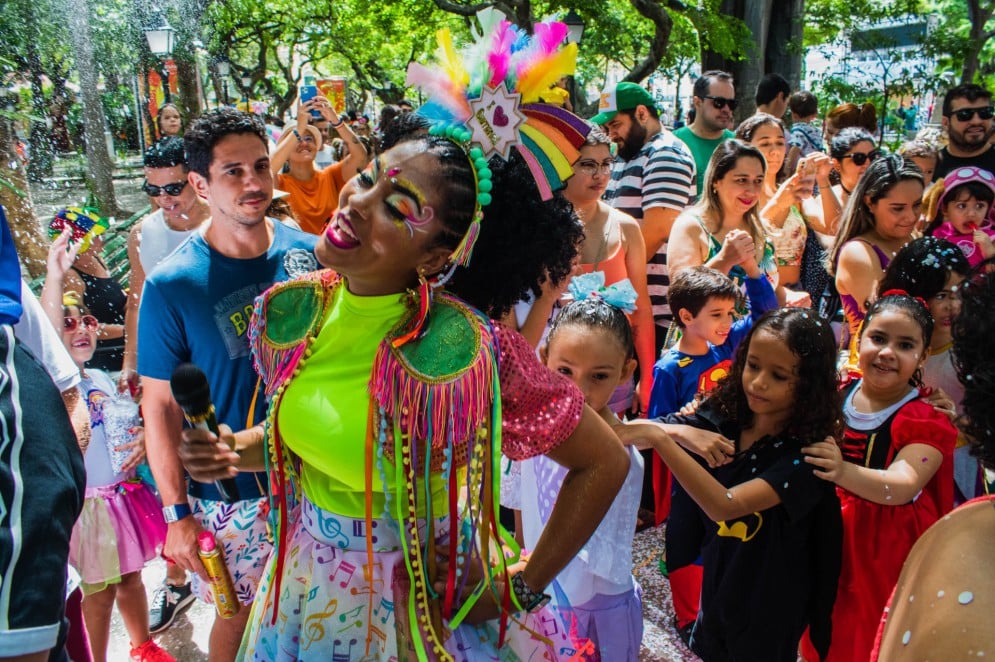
<point>334,89</point>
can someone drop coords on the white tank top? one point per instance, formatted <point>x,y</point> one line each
<point>158,240</point>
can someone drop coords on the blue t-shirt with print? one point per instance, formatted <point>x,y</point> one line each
<point>678,377</point>
<point>196,307</point>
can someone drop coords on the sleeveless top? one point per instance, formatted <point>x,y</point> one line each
<point>789,239</point>
<point>106,300</point>
<point>851,307</point>
<point>158,240</point>
<point>614,265</point>
<point>767,265</point>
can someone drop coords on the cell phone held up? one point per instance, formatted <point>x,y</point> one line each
<point>309,90</point>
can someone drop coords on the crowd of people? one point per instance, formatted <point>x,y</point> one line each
<point>456,368</point>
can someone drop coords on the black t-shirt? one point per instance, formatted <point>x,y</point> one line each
<point>947,162</point>
<point>768,575</point>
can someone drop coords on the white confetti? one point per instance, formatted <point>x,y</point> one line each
<point>940,593</point>
<point>906,637</point>
<point>965,598</point>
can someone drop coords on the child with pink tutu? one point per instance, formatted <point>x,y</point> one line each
<point>121,527</point>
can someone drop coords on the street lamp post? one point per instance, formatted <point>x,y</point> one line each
<point>161,37</point>
<point>575,27</point>
<point>575,32</point>
<point>247,86</point>
<point>223,69</point>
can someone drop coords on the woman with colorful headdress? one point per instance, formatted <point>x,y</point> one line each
<point>392,398</point>
<point>87,275</point>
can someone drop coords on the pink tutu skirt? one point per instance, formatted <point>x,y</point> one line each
<point>119,531</point>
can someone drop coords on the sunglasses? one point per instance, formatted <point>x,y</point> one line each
<point>859,158</point>
<point>965,114</point>
<point>173,189</point>
<point>592,168</point>
<point>89,322</point>
<point>722,102</point>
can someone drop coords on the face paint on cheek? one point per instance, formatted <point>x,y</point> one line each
<point>413,220</point>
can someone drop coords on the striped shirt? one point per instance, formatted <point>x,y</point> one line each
<point>661,175</point>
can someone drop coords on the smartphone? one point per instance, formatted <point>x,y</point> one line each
<point>309,92</point>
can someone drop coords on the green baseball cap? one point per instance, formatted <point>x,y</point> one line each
<point>625,96</point>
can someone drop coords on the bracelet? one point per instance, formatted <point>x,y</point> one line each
<point>297,135</point>
<point>335,126</point>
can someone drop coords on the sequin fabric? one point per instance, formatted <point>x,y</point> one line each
<point>540,408</point>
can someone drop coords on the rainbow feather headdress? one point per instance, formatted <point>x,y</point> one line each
<point>487,99</point>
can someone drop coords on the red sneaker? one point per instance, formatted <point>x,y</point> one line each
<point>150,652</point>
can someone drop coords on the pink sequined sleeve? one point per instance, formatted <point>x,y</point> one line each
<point>540,408</point>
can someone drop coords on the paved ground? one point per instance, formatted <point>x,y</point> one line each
<point>187,639</point>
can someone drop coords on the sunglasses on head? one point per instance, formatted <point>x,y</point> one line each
<point>173,189</point>
<point>89,323</point>
<point>859,158</point>
<point>965,114</point>
<point>722,102</point>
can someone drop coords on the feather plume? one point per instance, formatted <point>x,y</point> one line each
<point>537,77</point>
<point>442,90</point>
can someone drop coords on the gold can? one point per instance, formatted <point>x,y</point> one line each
<point>225,600</point>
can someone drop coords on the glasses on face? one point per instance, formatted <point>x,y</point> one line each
<point>592,168</point>
<point>965,114</point>
<point>173,189</point>
<point>859,158</point>
<point>722,102</point>
<point>89,323</point>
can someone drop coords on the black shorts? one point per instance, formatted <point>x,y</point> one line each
<point>41,494</point>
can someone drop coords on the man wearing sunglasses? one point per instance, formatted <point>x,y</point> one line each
<point>157,235</point>
<point>714,102</point>
<point>151,240</point>
<point>967,119</point>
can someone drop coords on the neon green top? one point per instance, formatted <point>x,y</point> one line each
<point>323,413</point>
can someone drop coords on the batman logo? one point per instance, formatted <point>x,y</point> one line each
<point>743,529</point>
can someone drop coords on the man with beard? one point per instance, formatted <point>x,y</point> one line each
<point>652,180</point>
<point>967,119</point>
<point>714,101</point>
<point>195,308</point>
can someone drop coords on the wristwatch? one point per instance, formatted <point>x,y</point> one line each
<point>176,513</point>
<point>528,599</point>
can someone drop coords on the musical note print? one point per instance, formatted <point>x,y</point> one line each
<point>386,607</point>
<point>348,568</point>
<point>342,657</point>
<point>314,626</point>
<point>351,614</point>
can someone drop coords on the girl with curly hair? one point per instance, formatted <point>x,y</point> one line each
<point>771,529</point>
<point>893,468</point>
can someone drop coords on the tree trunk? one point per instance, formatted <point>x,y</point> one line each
<point>777,36</point>
<point>979,17</point>
<point>31,243</point>
<point>188,77</point>
<point>99,168</point>
<point>40,164</point>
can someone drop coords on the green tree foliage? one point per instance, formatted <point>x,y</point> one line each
<point>963,40</point>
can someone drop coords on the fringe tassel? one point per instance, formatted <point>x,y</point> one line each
<point>464,252</point>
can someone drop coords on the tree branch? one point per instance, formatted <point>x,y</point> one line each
<point>663,25</point>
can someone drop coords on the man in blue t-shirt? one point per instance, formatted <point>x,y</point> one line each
<point>195,308</point>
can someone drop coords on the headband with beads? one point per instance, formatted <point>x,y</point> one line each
<point>486,101</point>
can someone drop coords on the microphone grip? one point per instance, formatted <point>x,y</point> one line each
<point>226,486</point>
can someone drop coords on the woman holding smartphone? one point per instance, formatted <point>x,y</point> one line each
<point>314,194</point>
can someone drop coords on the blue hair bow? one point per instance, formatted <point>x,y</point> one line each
<point>619,295</point>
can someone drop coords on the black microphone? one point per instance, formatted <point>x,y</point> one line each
<point>192,392</point>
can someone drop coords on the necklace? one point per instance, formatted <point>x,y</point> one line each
<point>605,234</point>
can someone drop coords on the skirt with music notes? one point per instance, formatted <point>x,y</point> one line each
<point>333,604</point>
